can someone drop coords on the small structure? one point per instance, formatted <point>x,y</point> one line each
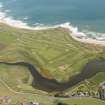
<point>102,90</point>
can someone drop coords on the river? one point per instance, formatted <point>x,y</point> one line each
<point>50,85</point>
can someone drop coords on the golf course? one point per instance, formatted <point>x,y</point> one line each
<point>40,63</point>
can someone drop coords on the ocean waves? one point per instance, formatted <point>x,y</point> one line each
<point>84,35</point>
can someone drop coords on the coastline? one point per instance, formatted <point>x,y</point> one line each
<point>81,37</point>
<point>73,31</point>
<point>89,41</point>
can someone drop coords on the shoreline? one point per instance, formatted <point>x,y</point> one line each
<point>81,37</point>
<point>89,41</point>
<point>73,31</point>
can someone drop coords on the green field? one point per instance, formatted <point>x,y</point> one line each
<point>55,54</point>
<point>44,99</point>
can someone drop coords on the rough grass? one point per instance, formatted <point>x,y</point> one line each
<point>45,100</point>
<point>84,101</point>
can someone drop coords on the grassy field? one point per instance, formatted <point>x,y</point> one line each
<point>84,101</point>
<point>55,54</point>
<point>44,99</point>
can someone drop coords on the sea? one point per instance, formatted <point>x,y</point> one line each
<point>84,16</point>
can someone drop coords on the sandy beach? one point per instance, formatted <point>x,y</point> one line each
<point>89,41</point>
<point>80,36</point>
